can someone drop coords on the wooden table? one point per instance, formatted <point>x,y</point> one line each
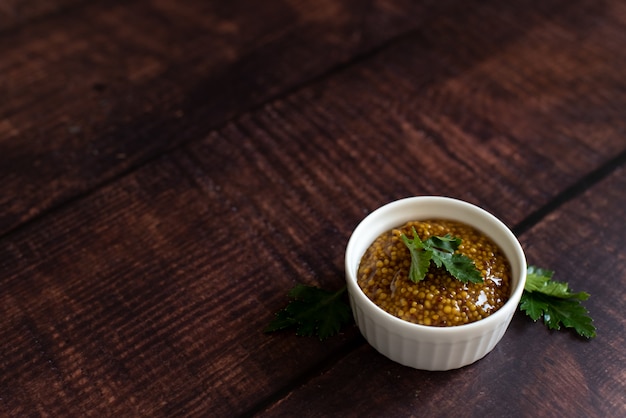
<point>170,169</point>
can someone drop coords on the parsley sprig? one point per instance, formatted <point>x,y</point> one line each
<point>441,252</point>
<point>555,303</point>
<point>313,311</point>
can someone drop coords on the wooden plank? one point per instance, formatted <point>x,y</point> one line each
<point>531,364</point>
<point>93,92</point>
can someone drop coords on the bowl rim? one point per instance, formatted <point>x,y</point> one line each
<point>514,248</point>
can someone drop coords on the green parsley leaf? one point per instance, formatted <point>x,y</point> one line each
<point>313,311</point>
<point>441,251</point>
<point>540,280</point>
<point>555,303</point>
<point>420,257</point>
<point>445,244</point>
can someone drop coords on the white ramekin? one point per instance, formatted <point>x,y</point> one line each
<point>420,346</point>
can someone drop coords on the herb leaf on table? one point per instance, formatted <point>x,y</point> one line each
<point>555,303</point>
<point>313,311</point>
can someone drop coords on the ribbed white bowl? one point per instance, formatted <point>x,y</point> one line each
<point>420,346</point>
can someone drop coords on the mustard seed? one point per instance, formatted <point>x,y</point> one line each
<point>439,299</point>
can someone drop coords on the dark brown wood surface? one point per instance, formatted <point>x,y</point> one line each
<point>170,169</point>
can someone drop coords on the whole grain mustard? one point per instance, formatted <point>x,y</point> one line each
<point>440,299</point>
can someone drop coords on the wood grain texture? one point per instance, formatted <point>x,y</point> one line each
<point>151,303</point>
<point>533,372</point>
<point>409,121</point>
<point>15,13</point>
<point>158,201</point>
<point>93,92</point>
